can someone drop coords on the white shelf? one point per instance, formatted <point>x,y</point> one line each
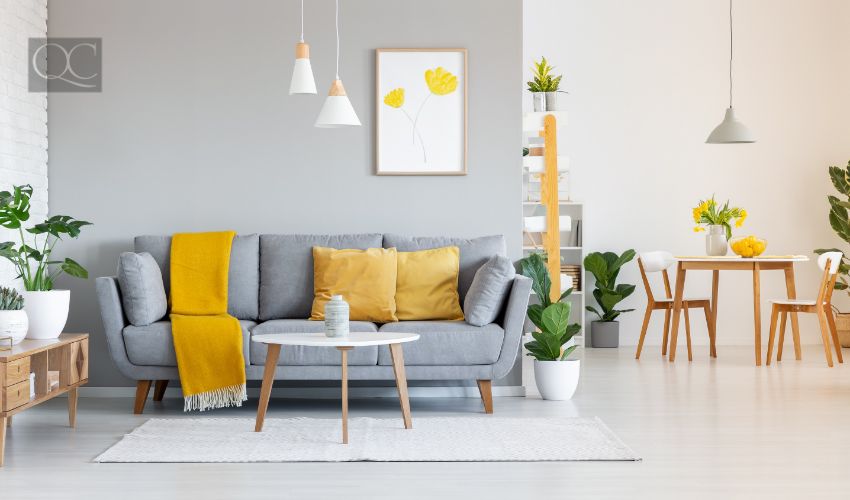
<point>533,122</point>
<point>536,164</point>
<point>561,202</point>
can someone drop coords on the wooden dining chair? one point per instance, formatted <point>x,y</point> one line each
<point>654,262</point>
<point>822,306</point>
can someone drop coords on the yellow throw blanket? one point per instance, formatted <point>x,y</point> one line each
<point>207,340</point>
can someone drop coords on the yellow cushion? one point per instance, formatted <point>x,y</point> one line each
<point>365,278</point>
<point>427,285</point>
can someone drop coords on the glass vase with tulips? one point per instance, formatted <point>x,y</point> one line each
<point>710,213</point>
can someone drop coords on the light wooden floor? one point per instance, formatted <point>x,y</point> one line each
<point>708,429</point>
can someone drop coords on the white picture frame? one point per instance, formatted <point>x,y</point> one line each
<point>421,130</point>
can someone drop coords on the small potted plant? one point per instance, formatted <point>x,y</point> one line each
<point>13,319</point>
<point>556,376</point>
<point>605,267</point>
<point>47,309</point>
<point>544,87</point>
<point>719,221</point>
<point>838,220</point>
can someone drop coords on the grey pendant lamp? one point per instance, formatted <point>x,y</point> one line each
<point>730,130</point>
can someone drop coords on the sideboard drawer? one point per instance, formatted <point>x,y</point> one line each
<point>17,371</point>
<point>16,395</point>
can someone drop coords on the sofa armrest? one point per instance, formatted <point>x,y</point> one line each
<point>114,321</point>
<point>513,323</point>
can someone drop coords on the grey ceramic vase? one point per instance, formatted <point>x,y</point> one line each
<point>551,101</point>
<point>539,100</point>
<point>605,334</point>
<point>336,317</point>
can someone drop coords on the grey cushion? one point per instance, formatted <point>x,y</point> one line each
<point>243,278</point>
<point>309,356</point>
<point>286,260</point>
<point>488,291</point>
<point>446,343</point>
<point>142,290</point>
<point>153,345</point>
<point>473,252</point>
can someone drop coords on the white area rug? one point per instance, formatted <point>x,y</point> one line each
<point>436,439</point>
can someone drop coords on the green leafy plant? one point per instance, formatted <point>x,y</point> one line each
<point>542,79</point>
<point>605,267</point>
<point>10,300</point>
<point>32,260</point>
<point>552,319</point>
<point>840,220</point>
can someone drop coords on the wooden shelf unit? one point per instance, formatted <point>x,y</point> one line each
<point>67,357</point>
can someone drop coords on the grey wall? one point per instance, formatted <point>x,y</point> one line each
<point>194,129</point>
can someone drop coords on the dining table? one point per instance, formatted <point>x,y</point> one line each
<point>754,265</point>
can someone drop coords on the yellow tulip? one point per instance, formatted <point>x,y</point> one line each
<point>395,98</point>
<point>440,81</point>
<point>741,219</point>
<point>699,229</point>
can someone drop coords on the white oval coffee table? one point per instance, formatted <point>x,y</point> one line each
<point>343,344</point>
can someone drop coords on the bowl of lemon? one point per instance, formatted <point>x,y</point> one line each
<point>748,246</point>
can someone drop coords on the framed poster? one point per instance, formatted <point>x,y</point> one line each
<point>421,111</point>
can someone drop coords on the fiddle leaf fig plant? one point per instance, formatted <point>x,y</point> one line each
<point>605,267</point>
<point>31,257</point>
<point>839,220</point>
<point>552,319</point>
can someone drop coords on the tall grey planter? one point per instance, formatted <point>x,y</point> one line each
<point>604,334</point>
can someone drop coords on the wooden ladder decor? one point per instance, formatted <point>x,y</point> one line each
<point>549,197</point>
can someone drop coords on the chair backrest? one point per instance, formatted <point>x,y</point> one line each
<point>656,261</point>
<point>653,262</point>
<point>834,259</point>
<point>830,275</point>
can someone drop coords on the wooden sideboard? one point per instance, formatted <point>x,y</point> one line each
<point>60,366</point>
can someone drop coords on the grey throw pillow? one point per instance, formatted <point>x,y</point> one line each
<point>488,291</point>
<point>142,290</point>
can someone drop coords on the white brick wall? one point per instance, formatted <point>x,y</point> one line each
<point>23,115</point>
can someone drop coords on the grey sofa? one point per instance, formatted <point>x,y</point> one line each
<point>270,290</point>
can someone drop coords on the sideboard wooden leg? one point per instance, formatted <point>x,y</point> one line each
<point>2,438</point>
<point>72,407</point>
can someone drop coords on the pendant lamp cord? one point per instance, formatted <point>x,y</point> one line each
<point>730,53</point>
<point>302,21</point>
<point>337,39</point>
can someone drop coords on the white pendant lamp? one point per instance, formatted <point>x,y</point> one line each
<point>337,110</point>
<point>730,130</point>
<point>302,76</point>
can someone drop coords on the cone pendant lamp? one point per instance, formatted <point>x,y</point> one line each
<point>302,76</point>
<point>337,110</point>
<point>730,130</point>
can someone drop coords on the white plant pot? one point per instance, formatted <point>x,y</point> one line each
<point>47,312</point>
<point>14,324</point>
<point>557,380</point>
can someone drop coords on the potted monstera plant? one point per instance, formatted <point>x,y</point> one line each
<point>605,267</point>
<point>556,375</point>
<point>47,309</point>
<point>838,219</point>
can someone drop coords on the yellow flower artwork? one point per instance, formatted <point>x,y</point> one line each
<point>440,82</point>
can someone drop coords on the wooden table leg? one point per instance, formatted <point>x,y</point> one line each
<point>2,439</point>
<point>72,407</point>
<point>401,384</point>
<point>344,363</point>
<point>268,380</point>
<point>677,309</point>
<point>791,290</point>
<point>757,310</point>
<point>712,329</point>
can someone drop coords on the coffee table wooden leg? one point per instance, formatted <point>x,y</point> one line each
<point>401,384</point>
<point>791,290</point>
<point>268,380</point>
<point>72,407</point>
<point>344,379</point>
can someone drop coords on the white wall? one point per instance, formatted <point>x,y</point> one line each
<point>23,115</point>
<point>648,82</point>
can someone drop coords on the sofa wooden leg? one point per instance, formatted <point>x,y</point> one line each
<point>159,390</point>
<point>485,387</point>
<point>143,387</point>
